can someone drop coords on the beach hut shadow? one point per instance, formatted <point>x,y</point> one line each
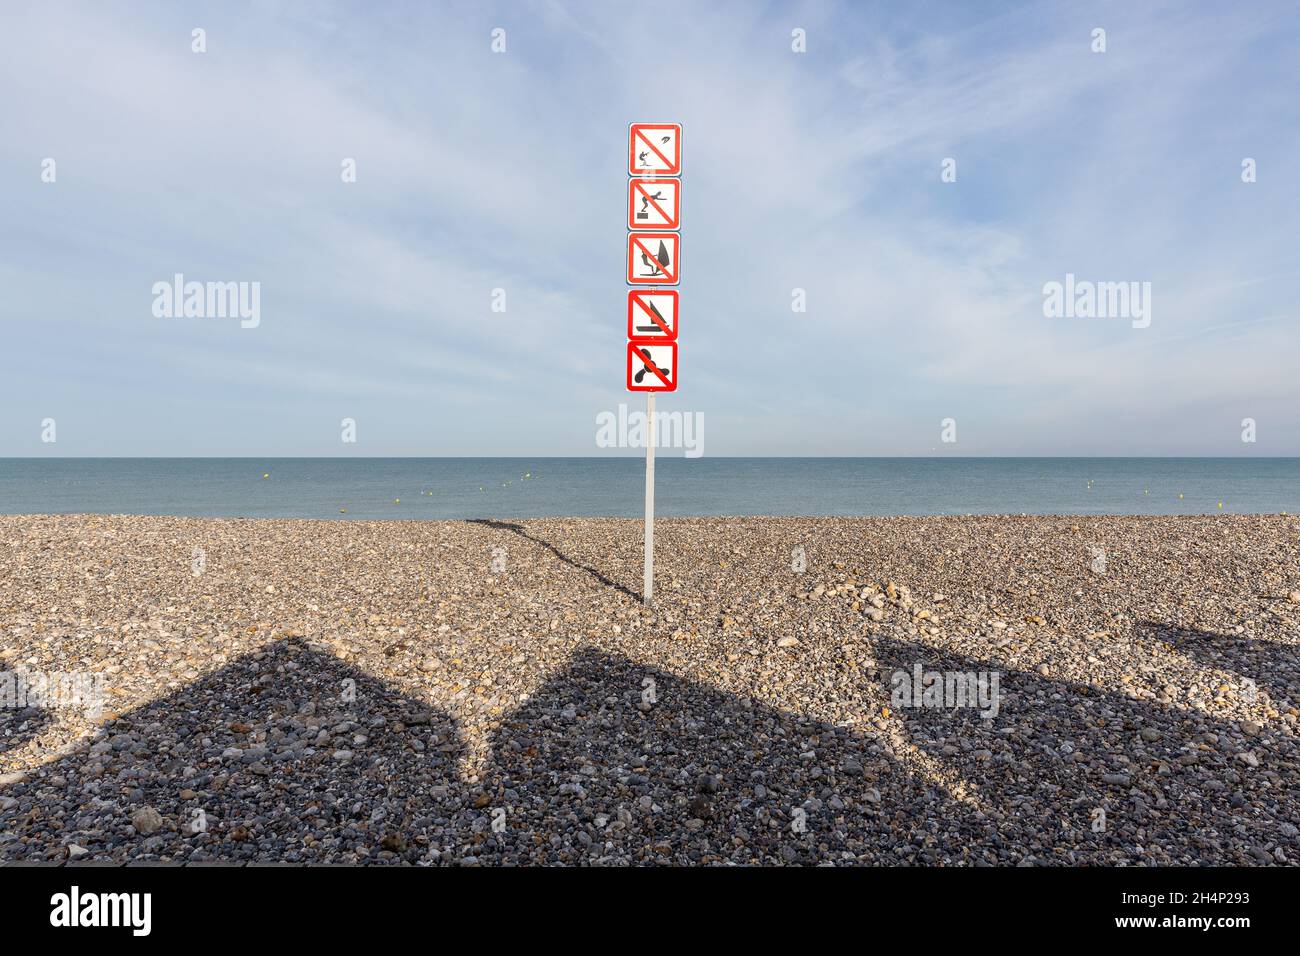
<point>613,760</point>
<point>1265,665</point>
<point>284,754</point>
<point>1098,774</point>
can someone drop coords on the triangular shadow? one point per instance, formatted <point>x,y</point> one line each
<point>260,760</point>
<point>636,764</point>
<point>1166,778</point>
<point>1268,665</point>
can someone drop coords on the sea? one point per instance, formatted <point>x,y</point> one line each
<point>454,488</point>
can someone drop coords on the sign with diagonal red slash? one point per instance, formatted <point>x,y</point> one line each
<point>654,204</point>
<point>651,368</point>
<point>654,149</point>
<point>652,315</point>
<point>653,258</point>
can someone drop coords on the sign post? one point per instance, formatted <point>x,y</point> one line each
<point>649,590</point>
<point>654,247</point>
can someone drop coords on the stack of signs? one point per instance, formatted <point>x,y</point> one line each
<point>654,246</point>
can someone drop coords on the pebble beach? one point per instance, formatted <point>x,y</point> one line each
<point>438,693</point>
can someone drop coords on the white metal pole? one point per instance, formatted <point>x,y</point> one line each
<point>650,499</point>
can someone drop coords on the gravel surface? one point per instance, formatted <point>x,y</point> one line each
<point>461,693</point>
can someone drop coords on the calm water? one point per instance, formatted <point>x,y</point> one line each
<point>497,487</point>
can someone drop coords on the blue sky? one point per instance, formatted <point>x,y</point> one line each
<point>818,170</point>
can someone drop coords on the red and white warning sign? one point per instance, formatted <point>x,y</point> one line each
<point>652,315</point>
<point>654,204</point>
<point>651,368</point>
<point>654,149</point>
<point>653,258</point>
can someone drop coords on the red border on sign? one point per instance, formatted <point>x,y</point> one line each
<point>638,313</point>
<point>636,188</point>
<point>635,133</point>
<point>661,384</point>
<point>667,277</point>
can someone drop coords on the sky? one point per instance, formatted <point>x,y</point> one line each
<point>819,170</point>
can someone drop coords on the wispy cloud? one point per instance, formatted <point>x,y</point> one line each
<point>819,171</point>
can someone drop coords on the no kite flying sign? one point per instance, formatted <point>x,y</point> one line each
<point>654,149</point>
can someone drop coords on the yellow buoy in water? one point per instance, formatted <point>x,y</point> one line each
<point>1220,504</point>
<point>343,511</point>
<point>265,476</point>
<point>1180,496</point>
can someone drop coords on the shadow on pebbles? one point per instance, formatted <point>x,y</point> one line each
<point>436,693</point>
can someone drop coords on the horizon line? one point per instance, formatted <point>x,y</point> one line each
<point>637,457</point>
